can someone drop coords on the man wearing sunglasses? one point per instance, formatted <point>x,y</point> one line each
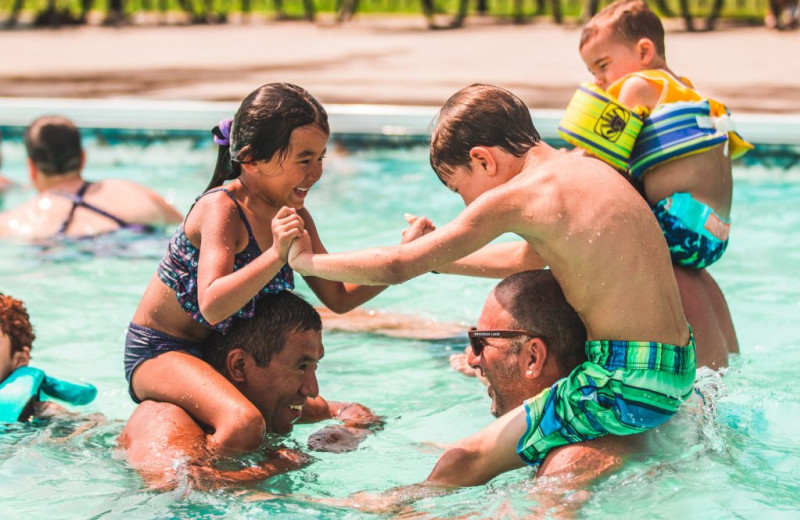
<point>527,338</point>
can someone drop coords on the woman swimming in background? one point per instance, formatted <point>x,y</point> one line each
<point>67,204</point>
<point>231,250</point>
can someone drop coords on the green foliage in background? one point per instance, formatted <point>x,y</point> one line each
<point>737,9</point>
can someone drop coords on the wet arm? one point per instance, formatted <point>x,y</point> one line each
<point>350,414</point>
<point>49,410</point>
<point>221,291</point>
<point>470,462</point>
<point>475,227</point>
<point>640,92</point>
<point>481,457</point>
<point>162,442</point>
<point>357,420</point>
<point>280,461</point>
<point>337,296</point>
<point>496,261</point>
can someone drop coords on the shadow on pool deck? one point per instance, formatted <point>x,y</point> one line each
<point>376,60</point>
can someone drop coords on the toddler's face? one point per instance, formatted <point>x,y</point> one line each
<point>609,59</point>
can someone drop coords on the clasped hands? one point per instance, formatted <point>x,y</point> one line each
<point>294,241</point>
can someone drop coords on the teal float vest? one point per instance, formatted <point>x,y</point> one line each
<point>25,383</point>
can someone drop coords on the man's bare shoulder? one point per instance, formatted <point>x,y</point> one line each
<point>136,202</point>
<point>112,189</point>
<point>160,432</point>
<point>588,460</point>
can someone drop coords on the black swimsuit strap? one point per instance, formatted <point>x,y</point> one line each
<point>246,223</point>
<point>77,201</point>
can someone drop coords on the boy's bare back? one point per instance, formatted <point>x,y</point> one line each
<point>602,243</point>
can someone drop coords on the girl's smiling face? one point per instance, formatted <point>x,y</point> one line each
<point>287,177</point>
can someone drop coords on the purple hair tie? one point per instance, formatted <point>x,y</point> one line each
<point>223,138</point>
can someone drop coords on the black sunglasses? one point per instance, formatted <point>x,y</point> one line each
<point>477,338</point>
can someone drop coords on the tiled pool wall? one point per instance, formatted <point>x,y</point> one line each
<point>776,137</point>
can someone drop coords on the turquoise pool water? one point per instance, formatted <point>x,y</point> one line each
<point>737,457</point>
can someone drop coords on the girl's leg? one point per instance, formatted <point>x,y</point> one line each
<point>179,378</point>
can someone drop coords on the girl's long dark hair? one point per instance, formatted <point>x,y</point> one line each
<point>263,126</point>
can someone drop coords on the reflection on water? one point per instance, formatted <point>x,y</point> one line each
<point>733,452</point>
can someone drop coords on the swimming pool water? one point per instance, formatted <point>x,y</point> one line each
<point>737,457</point>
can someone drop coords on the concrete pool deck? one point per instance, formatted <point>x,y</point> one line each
<point>380,60</point>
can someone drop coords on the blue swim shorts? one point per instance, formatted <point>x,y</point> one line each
<point>626,387</point>
<point>696,235</point>
<point>143,343</point>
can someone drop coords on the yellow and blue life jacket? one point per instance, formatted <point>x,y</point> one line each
<point>601,125</point>
<point>682,123</point>
<point>633,139</point>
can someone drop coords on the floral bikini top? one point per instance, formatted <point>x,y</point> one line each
<point>178,271</point>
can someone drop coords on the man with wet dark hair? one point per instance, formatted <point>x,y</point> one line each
<point>527,338</point>
<point>272,360</point>
<point>68,205</point>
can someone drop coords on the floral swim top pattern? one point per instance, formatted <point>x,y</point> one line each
<point>178,271</point>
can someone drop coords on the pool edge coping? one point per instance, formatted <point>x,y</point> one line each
<point>387,120</point>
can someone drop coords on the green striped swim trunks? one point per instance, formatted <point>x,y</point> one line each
<point>626,387</point>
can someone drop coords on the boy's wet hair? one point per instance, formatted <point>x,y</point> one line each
<point>479,115</point>
<point>15,323</point>
<point>54,145</point>
<point>263,126</point>
<point>265,334</point>
<point>628,21</point>
<point>536,303</point>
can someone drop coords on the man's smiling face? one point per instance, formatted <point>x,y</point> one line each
<point>280,388</point>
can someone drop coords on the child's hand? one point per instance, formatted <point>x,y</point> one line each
<point>299,252</point>
<point>417,227</point>
<point>286,226</point>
